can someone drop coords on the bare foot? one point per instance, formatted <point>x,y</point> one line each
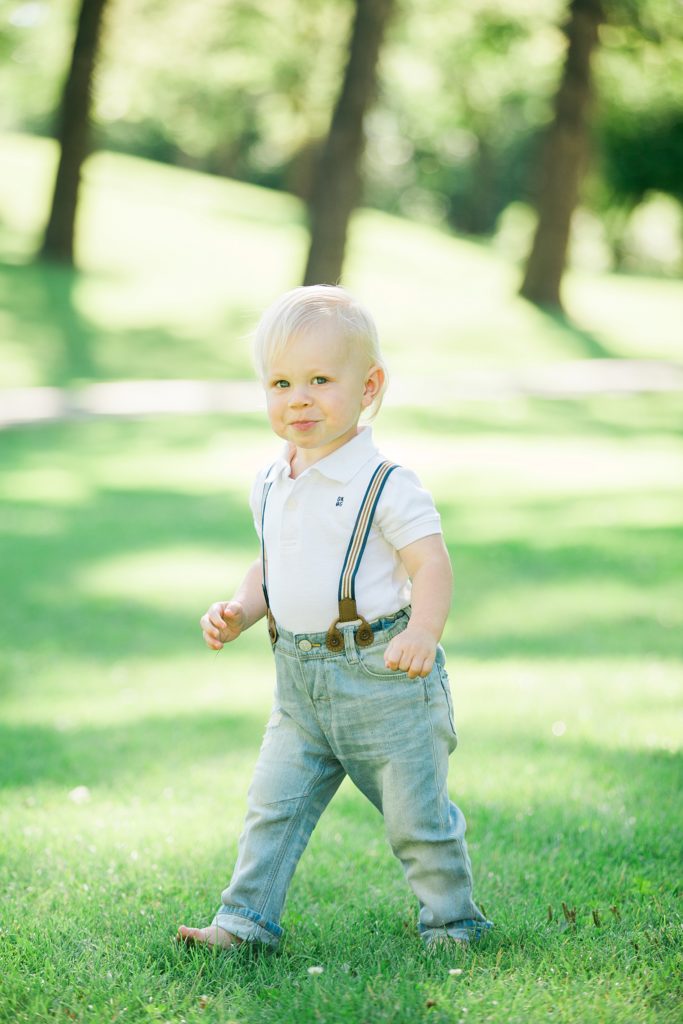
<point>211,936</point>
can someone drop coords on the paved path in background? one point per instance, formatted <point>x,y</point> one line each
<point>191,397</point>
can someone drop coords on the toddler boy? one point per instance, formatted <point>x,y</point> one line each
<point>355,581</point>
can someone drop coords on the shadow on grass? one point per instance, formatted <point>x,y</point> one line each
<point>108,755</point>
<point>48,548</point>
<point>43,308</point>
<point>603,784</point>
<point>39,302</point>
<point>349,907</point>
<point>584,343</point>
<point>115,524</point>
<point>349,894</point>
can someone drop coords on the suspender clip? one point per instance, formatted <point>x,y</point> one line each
<point>349,613</point>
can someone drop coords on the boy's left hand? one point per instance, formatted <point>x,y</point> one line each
<point>412,651</point>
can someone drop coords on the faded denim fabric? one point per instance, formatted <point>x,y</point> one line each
<point>346,713</point>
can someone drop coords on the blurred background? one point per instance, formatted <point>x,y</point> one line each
<point>501,182</point>
<point>547,136</point>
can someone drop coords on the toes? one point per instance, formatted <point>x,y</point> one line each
<point>211,936</point>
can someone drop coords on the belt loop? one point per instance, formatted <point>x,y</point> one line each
<point>350,644</point>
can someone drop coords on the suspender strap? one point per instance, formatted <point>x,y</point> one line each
<point>348,611</point>
<point>361,531</point>
<point>272,628</point>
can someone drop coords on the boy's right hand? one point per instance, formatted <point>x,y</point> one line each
<point>223,622</point>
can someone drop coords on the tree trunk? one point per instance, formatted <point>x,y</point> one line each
<point>564,159</point>
<point>336,188</point>
<point>73,134</point>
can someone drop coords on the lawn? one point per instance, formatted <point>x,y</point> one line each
<point>127,748</point>
<point>176,266</point>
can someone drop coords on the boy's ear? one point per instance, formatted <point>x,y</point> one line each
<point>373,384</point>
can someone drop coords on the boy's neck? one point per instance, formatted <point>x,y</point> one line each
<point>301,459</point>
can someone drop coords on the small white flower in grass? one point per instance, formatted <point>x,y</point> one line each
<point>559,729</point>
<point>455,971</point>
<point>80,795</point>
<point>316,970</point>
<point>134,855</point>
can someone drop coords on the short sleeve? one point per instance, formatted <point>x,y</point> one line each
<point>255,499</point>
<point>406,511</point>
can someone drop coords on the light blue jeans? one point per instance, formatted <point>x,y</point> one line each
<point>345,713</point>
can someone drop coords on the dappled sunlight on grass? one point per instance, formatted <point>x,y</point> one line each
<point>575,518</point>
<point>167,287</point>
<point>611,305</point>
<point>560,608</point>
<point>127,748</point>
<point>45,485</point>
<point>118,685</point>
<point>153,578</point>
<point>541,465</point>
<point>513,705</point>
<point>222,465</point>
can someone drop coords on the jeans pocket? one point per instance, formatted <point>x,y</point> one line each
<point>446,687</point>
<point>371,662</point>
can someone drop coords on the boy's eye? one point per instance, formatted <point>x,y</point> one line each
<point>280,384</point>
<point>320,380</point>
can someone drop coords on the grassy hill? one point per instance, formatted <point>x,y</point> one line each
<point>176,267</point>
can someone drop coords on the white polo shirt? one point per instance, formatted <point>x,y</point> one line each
<point>308,526</point>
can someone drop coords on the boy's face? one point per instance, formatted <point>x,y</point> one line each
<point>316,390</point>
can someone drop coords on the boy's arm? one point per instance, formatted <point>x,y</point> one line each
<point>250,595</point>
<point>225,620</point>
<point>427,563</point>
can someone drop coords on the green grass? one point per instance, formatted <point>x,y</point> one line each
<point>564,642</point>
<point>564,651</point>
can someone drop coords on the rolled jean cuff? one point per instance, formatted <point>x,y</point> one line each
<point>469,930</point>
<point>248,925</point>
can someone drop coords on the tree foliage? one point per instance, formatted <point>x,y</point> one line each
<point>246,88</point>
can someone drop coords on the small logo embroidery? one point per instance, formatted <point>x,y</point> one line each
<point>340,501</point>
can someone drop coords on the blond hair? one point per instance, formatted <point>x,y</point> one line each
<point>307,307</point>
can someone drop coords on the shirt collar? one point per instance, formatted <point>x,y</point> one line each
<point>341,465</point>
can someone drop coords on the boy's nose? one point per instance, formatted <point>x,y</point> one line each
<point>299,396</point>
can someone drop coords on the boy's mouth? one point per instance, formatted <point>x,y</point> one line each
<point>303,424</point>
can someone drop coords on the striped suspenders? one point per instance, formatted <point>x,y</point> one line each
<point>272,628</point>
<point>348,612</point>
